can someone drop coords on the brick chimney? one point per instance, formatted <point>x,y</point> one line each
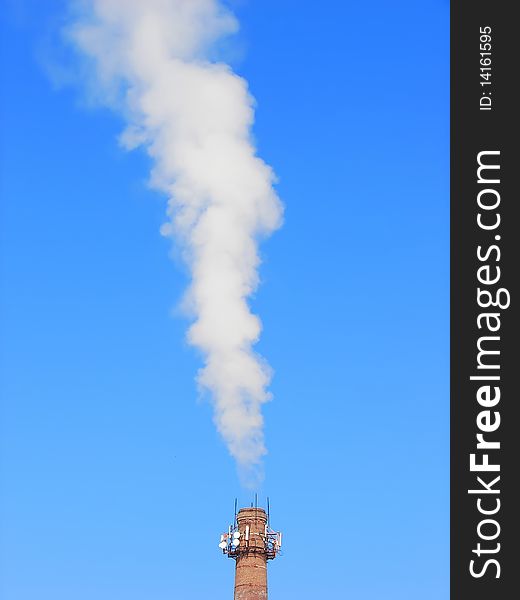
<point>251,543</point>
<point>251,561</point>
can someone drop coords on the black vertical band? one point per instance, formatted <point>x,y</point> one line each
<point>485,268</point>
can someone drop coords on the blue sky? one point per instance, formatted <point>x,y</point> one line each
<point>114,481</point>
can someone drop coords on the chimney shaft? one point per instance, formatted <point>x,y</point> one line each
<point>251,543</point>
<point>251,562</point>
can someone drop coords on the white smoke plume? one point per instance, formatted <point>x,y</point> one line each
<point>194,117</point>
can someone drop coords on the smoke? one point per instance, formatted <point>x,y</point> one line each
<point>151,59</point>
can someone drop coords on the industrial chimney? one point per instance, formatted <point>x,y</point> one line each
<point>251,542</point>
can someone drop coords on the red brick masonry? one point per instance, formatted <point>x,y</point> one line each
<point>251,563</point>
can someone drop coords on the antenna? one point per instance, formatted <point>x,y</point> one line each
<point>268,513</point>
<point>256,500</point>
<point>235,521</point>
